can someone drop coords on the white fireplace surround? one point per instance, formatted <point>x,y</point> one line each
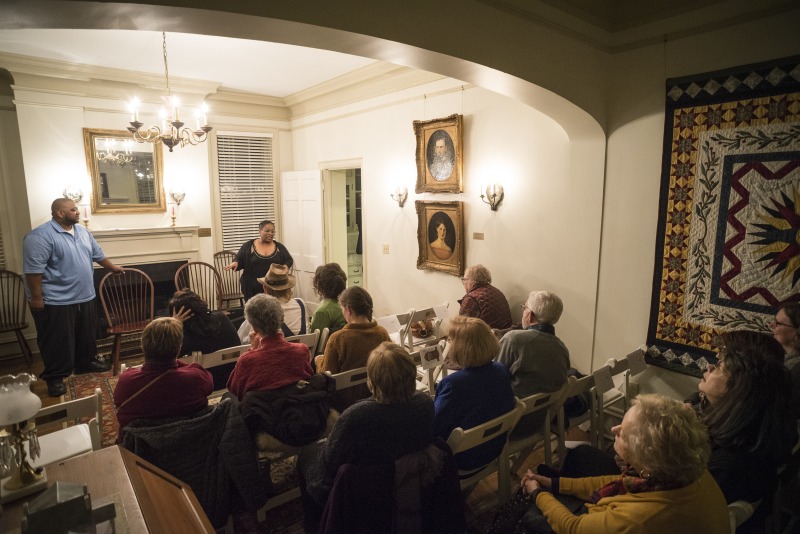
<point>131,246</point>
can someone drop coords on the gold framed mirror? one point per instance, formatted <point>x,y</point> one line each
<point>127,177</point>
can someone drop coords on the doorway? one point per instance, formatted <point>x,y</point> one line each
<point>342,200</point>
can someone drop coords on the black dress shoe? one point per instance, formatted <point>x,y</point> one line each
<point>56,387</point>
<point>94,366</point>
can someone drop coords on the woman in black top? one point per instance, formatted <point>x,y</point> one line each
<point>204,330</point>
<point>255,257</point>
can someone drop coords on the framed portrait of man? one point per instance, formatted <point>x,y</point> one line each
<point>439,155</point>
<point>440,233</point>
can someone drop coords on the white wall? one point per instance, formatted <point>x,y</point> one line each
<point>545,235</point>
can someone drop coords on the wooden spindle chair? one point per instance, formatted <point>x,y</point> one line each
<point>12,309</point>
<point>203,279</point>
<point>231,290</point>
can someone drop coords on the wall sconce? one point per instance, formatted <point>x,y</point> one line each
<point>74,193</point>
<point>177,194</point>
<point>492,194</point>
<point>400,195</point>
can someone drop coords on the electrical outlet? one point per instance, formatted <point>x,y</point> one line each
<point>385,249</point>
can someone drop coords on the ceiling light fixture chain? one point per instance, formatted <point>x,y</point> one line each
<point>172,131</point>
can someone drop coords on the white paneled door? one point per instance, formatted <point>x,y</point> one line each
<point>301,230</point>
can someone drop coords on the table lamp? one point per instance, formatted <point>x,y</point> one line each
<point>18,406</point>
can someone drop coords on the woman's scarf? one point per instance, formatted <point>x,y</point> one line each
<point>630,482</point>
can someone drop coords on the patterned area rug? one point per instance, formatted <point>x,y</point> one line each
<point>80,386</point>
<point>727,252</point>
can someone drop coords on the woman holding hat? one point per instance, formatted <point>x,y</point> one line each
<point>279,283</point>
<point>256,256</point>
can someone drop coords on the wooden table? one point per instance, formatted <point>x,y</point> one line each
<point>147,498</point>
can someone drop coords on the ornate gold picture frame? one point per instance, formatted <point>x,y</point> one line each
<point>127,177</point>
<point>440,232</point>
<point>439,155</point>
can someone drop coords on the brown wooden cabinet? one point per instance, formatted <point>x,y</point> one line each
<point>147,499</point>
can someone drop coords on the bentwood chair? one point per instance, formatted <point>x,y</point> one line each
<point>12,309</point>
<point>203,279</point>
<point>231,290</point>
<point>128,301</point>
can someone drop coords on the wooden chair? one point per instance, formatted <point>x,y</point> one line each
<point>549,403</point>
<point>12,310</point>
<point>740,511</point>
<point>221,357</point>
<point>349,379</point>
<point>461,440</point>
<point>408,341</point>
<point>231,290</point>
<point>203,279</point>
<point>73,440</point>
<point>310,340</point>
<point>323,339</point>
<point>128,303</point>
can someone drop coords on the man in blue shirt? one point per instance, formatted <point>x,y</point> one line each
<point>58,257</point>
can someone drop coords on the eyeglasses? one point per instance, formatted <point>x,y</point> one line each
<point>464,279</point>
<point>775,323</point>
<point>716,366</point>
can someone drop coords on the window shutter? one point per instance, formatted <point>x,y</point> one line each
<point>246,187</point>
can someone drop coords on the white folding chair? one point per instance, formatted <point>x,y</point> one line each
<point>73,440</point>
<point>551,404</point>
<point>409,342</point>
<point>579,387</point>
<point>395,325</point>
<point>221,357</point>
<point>323,339</point>
<point>740,511</point>
<point>428,376</point>
<point>349,379</point>
<point>309,340</point>
<point>461,440</point>
<point>612,402</point>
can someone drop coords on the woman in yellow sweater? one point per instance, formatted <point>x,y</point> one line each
<point>664,488</point>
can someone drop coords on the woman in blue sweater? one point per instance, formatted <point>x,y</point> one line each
<point>475,394</point>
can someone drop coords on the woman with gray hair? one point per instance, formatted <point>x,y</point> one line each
<point>272,361</point>
<point>664,486</point>
<point>483,300</point>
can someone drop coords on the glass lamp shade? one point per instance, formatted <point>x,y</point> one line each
<point>17,401</point>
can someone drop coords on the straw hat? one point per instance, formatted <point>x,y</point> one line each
<point>278,278</point>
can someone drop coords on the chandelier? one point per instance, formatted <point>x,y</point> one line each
<point>172,131</point>
<point>112,157</point>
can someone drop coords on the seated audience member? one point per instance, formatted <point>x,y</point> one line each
<point>537,359</point>
<point>395,421</point>
<point>664,486</point>
<point>163,387</point>
<point>272,361</point>
<point>744,403</point>
<point>784,328</point>
<point>329,282</point>
<point>483,300</point>
<point>350,347</point>
<point>203,330</point>
<point>279,283</point>
<point>477,393</point>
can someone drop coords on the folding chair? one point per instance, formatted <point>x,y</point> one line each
<point>229,280</point>
<point>220,357</point>
<point>128,301</point>
<point>461,440</point>
<point>409,342</point>
<point>73,440</point>
<point>551,404</point>
<point>349,379</point>
<point>13,304</point>
<point>323,339</point>
<point>309,340</point>
<point>740,511</point>
<point>203,279</point>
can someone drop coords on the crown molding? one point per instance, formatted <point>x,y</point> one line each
<point>377,79</point>
<point>18,64</point>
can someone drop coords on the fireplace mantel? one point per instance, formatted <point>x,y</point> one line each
<point>149,245</point>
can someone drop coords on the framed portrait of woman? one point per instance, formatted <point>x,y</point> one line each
<point>440,233</point>
<point>439,155</point>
